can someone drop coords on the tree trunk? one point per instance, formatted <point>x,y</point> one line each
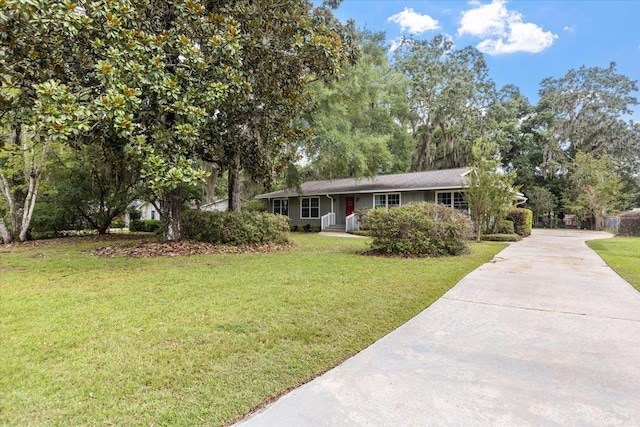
<point>30,203</point>
<point>5,192</point>
<point>4,233</point>
<point>210,183</point>
<point>234,187</point>
<point>171,216</point>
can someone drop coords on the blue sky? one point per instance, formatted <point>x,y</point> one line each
<point>523,41</point>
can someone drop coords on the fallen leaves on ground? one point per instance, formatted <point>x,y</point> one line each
<point>185,248</point>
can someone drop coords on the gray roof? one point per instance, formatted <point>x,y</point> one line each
<point>428,180</point>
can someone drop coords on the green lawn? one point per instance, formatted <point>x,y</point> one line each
<point>199,340</point>
<point>622,254</point>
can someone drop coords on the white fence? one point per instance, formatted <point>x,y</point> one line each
<point>611,223</point>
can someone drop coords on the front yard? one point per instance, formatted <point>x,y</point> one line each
<point>622,254</point>
<point>196,340</point>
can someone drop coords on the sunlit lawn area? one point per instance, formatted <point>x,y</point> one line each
<point>194,340</point>
<point>622,254</point>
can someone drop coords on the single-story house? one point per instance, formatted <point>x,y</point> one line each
<point>330,204</point>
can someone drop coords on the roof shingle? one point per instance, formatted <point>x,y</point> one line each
<point>428,180</point>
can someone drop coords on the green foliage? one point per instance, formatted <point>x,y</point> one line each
<point>285,46</point>
<point>595,187</point>
<point>541,201</point>
<point>363,218</point>
<point>629,223</point>
<point>145,225</point>
<point>582,112</point>
<point>449,93</point>
<point>511,237</point>
<point>522,220</point>
<point>235,228</point>
<point>505,227</point>
<point>255,205</point>
<point>490,193</point>
<point>134,214</point>
<point>421,229</point>
<point>117,224</point>
<point>95,181</point>
<point>357,120</point>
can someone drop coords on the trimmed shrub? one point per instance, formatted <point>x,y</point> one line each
<point>513,237</point>
<point>421,229</point>
<point>117,224</point>
<point>255,205</point>
<point>146,225</point>
<point>629,223</point>
<point>522,220</point>
<point>363,219</point>
<point>235,228</point>
<point>505,227</point>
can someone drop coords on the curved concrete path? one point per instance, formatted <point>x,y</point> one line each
<point>545,334</point>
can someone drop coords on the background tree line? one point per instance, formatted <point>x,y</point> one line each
<point>102,102</point>
<point>428,104</point>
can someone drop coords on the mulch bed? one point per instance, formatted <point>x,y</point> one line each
<point>140,246</point>
<point>76,239</point>
<point>175,249</point>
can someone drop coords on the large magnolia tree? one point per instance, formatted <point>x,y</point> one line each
<point>172,82</point>
<point>284,47</point>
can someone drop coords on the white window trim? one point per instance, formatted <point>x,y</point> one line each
<point>273,209</point>
<point>386,199</point>
<point>310,217</point>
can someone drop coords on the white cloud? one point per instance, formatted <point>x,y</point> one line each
<point>411,21</point>
<point>395,44</point>
<point>485,20</point>
<point>503,30</point>
<point>571,29</point>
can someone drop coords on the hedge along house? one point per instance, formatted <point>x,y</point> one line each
<point>330,204</point>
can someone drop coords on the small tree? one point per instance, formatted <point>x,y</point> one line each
<point>490,193</point>
<point>542,202</point>
<point>595,187</point>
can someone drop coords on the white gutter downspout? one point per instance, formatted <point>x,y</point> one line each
<point>328,196</point>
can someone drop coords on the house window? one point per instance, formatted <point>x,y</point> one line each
<point>386,200</point>
<point>310,207</point>
<point>281,207</point>
<point>454,199</point>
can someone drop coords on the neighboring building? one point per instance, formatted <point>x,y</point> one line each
<point>332,203</point>
<point>147,211</point>
<point>216,205</point>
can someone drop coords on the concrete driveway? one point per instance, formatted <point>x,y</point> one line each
<point>545,334</point>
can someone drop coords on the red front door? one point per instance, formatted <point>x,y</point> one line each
<point>350,203</point>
